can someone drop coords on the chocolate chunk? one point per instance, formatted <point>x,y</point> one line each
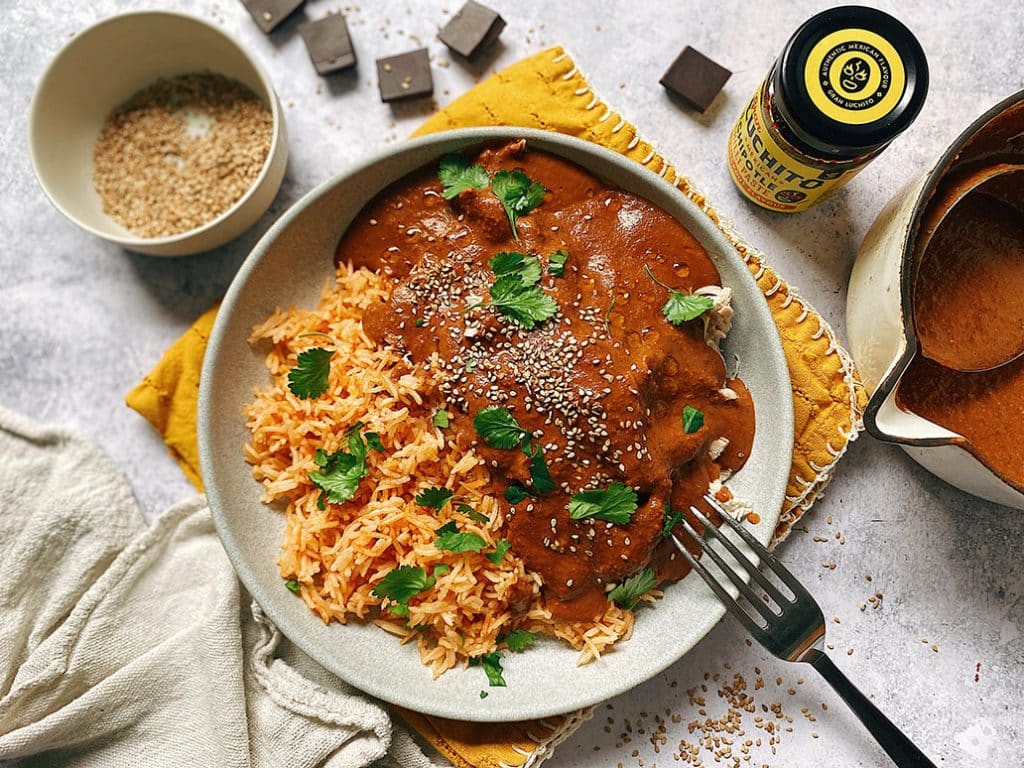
<point>472,29</point>
<point>405,76</point>
<point>269,13</point>
<point>695,78</point>
<point>328,43</point>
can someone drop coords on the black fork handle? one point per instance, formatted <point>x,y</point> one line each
<point>889,737</point>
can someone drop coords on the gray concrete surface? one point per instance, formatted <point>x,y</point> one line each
<point>83,321</point>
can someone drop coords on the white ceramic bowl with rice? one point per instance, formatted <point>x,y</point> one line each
<point>289,267</point>
<point>100,70</point>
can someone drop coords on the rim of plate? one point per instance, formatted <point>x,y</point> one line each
<point>620,680</point>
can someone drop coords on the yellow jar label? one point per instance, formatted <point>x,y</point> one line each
<point>769,176</point>
<point>854,76</point>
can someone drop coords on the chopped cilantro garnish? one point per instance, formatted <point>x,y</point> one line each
<point>498,427</point>
<point>491,662</point>
<point>457,175</point>
<point>528,305</point>
<point>520,639</point>
<point>420,322</point>
<point>692,419</point>
<point>483,694</point>
<point>670,521</point>
<point>539,473</point>
<point>434,498</point>
<point>441,419</point>
<point>340,472</point>
<point>500,550</point>
<point>402,583</point>
<point>615,504</point>
<point>441,569</point>
<point>629,592</point>
<point>470,365</point>
<point>309,376</point>
<point>681,307</point>
<point>556,262</point>
<point>515,493</point>
<point>451,539</point>
<point>293,586</point>
<point>518,193</point>
<point>373,440</point>
<point>526,266</point>
<point>473,515</point>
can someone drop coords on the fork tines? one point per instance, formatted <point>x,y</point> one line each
<point>772,616</point>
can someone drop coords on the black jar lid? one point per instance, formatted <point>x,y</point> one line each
<point>850,80</point>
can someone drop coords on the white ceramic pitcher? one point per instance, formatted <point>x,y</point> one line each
<point>879,312</point>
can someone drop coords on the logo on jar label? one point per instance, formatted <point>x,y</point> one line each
<point>854,76</point>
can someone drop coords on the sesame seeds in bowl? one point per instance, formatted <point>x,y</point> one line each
<point>156,132</point>
<point>180,153</point>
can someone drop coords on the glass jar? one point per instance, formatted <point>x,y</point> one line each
<point>846,84</point>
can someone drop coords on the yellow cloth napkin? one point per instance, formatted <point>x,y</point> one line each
<point>547,91</point>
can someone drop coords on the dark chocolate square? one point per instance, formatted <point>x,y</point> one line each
<point>328,43</point>
<point>695,78</point>
<point>405,76</point>
<point>269,13</point>
<point>472,29</point>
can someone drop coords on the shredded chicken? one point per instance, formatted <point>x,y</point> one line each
<point>717,320</point>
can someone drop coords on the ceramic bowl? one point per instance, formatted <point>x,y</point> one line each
<point>290,266</point>
<point>100,69</point>
<point>879,315</point>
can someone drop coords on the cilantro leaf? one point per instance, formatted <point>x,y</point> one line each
<point>293,586</point>
<point>340,476</point>
<point>615,504</point>
<point>671,520</point>
<point>515,493</point>
<point>526,304</point>
<point>340,472</point>
<point>539,473</point>
<point>484,694</point>
<point>441,569</point>
<point>514,263</point>
<point>473,515</point>
<point>309,377</point>
<point>500,550</point>
<point>556,262</point>
<point>518,193</point>
<point>441,419</point>
<point>451,539</point>
<point>457,175</point>
<point>402,583</point>
<point>693,419</point>
<point>399,609</point>
<point>434,498</point>
<point>498,427</point>
<point>491,663</point>
<point>629,592</point>
<point>520,639</point>
<point>682,307</point>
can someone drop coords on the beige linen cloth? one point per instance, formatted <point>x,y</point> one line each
<point>123,644</point>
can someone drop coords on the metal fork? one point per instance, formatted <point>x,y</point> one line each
<point>795,630</point>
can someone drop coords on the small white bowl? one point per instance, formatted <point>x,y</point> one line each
<point>100,69</point>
